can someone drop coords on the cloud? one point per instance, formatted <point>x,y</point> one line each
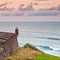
<point>29,7</point>
<point>3,7</point>
<point>19,13</point>
<point>21,7</point>
<point>29,11</point>
<point>4,4</point>
<point>55,8</point>
<point>34,13</point>
<point>44,13</point>
<point>6,9</point>
<point>41,0</point>
<point>54,11</point>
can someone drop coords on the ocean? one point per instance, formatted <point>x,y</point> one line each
<point>43,35</point>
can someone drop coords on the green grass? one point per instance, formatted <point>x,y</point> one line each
<point>46,57</point>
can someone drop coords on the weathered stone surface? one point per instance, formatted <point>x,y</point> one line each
<point>1,54</point>
<point>8,44</point>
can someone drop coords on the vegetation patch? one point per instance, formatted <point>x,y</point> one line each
<point>30,46</point>
<point>46,57</point>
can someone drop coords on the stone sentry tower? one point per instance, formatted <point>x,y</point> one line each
<point>16,31</point>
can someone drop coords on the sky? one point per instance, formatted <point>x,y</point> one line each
<point>40,3</point>
<point>44,10</point>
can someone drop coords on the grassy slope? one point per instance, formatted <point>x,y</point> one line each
<point>46,57</point>
<point>29,52</point>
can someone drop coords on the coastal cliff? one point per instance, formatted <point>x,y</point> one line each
<point>29,52</point>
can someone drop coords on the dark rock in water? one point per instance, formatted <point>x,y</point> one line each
<point>46,47</point>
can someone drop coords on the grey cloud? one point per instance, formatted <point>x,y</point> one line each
<point>58,7</point>
<point>4,8</point>
<point>44,13</point>
<point>21,7</point>
<point>29,7</point>
<point>34,13</point>
<point>6,13</point>
<point>54,8</point>
<point>10,13</point>
<point>3,4</point>
<point>18,13</point>
<point>54,11</point>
